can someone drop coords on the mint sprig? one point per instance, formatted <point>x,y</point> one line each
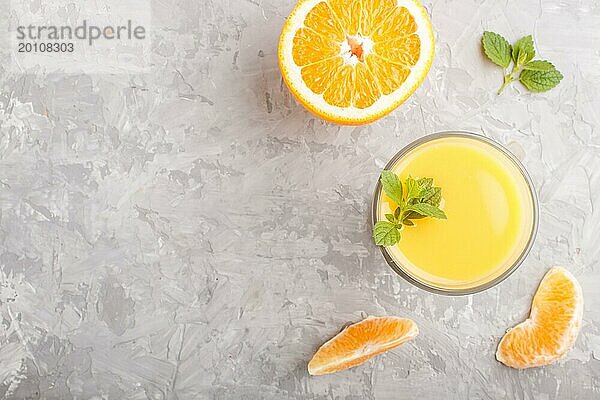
<point>416,199</point>
<point>535,75</point>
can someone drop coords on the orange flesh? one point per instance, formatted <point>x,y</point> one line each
<point>336,24</point>
<point>360,342</point>
<point>552,327</point>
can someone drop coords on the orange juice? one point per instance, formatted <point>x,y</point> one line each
<point>490,207</point>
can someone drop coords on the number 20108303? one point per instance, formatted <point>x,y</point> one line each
<point>43,47</point>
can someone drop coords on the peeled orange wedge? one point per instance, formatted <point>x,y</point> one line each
<point>552,326</point>
<point>361,341</point>
<point>354,61</point>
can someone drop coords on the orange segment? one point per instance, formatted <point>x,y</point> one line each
<point>405,50</point>
<point>374,13</point>
<point>310,47</point>
<point>349,14</point>
<point>398,24</point>
<point>361,341</point>
<point>322,20</point>
<point>318,76</point>
<point>552,326</point>
<point>390,76</point>
<point>366,91</point>
<point>354,61</point>
<point>340,90</point>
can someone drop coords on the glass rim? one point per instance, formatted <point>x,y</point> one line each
<point>527,248</point>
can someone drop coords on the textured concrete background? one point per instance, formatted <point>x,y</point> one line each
<point>194,233</point>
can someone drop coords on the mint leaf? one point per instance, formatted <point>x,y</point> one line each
<point>397,213</point>
<point>390,217</point>
<point>425,183</point>
<point>427,210</point>
<point>540,81</point>
<point>522,59</point>
<point>386,234</point>
<point>496,48</point>
<point>538,65</point>
<point>408,222</point>
<point>412,189</point>
<point>413,215</point>
<point>436,198</point>
<point>523,51</point>
<point>426,194</point>
<point>392,186</point>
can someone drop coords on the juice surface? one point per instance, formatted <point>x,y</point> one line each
<point>489,208</point>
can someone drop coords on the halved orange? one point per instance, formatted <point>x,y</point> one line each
<point>552,326</point>
<point>353,61</point>
<point>361,341</point>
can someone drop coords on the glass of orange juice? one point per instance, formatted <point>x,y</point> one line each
<point>492,212</point>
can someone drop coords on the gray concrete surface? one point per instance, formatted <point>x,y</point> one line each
<point>194,233</point>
